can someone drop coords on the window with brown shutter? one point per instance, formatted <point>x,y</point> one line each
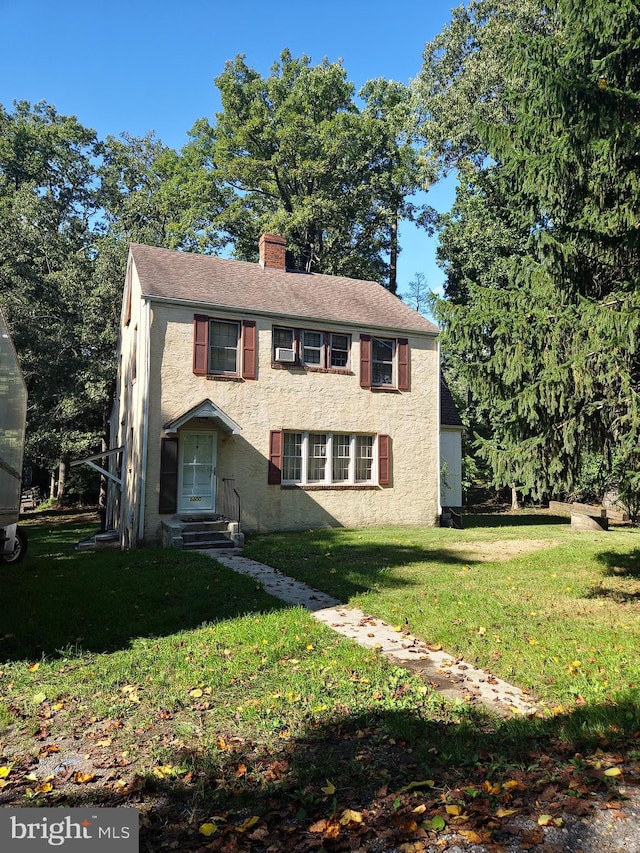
<point>365,361</point>
<point>384,460</point>
<point>384,363</point>
<point>249,366</point>
<point>403,364</point>
<point>274,476</point>
<point>200,345</point>
<point>168,476</point>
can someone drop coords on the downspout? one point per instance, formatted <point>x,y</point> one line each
<point>439,432</point>
<point>145,421</point>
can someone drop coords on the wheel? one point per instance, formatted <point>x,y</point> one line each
<point>19,548</point>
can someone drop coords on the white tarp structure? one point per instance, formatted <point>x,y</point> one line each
<point>13,413</point>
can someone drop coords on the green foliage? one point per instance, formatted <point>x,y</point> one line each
<point>303,161</point>
<point>544,326</point>
<point>154,195</point>
<point>56,310</point>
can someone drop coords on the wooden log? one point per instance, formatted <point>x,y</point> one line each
<point>577,509</point>
<point>582,521</point>
<point>617,514</point>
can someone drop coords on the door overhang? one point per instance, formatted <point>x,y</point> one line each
<point>205,411</point>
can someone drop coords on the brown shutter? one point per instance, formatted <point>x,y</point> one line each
<point>403,364</point>
<point>365,361</point>
<point>274,477</point>
<point>200,345</point>
<point>326,355</point>
<point>248,349</point>
<point>168,476</point>
<point>384,460</point>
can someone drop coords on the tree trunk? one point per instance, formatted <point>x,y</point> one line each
<point>62,478</point>
<point>393,255</point>
<point>515,505</point>
<point>53,482</point>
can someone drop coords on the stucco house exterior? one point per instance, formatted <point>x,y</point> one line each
<point>269,399</point>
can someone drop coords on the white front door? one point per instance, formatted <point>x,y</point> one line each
<point>197,480</point>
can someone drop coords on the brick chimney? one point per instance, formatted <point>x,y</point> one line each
<point>272,251</point>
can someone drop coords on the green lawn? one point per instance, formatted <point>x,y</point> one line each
<point>554,610</point>
<point>190,693</point>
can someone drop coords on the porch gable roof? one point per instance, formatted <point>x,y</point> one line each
<point>208,410</point>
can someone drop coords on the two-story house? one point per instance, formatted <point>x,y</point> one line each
<point>289,400</point>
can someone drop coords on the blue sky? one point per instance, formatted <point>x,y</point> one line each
<point>150,64</point>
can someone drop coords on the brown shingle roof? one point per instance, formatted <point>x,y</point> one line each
<point>449,415</point>
<point>223,283</point>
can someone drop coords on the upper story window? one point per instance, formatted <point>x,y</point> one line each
<point>310,348</point>
<point>382,351</point>
<point>224,348</point>
<point>224,339</point>
<point>384,363</point>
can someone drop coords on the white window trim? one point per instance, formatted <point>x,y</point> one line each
<point>326,347</point>
<point>394,363</point>
<point>328,478</point>
<point>210,369</point>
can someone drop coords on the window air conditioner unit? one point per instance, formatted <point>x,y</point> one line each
<point>287,356</point>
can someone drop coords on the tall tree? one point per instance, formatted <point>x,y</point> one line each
<point>556,343</point>
<point>47,204</point>
<point>153,194</point>
<point>305,162</point>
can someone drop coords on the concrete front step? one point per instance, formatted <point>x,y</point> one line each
<point>205,539</point>
<point>206,532</point>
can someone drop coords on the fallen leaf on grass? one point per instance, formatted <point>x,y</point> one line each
<point>350,816</point>
<point>4,772</point>
<point>82,778</point>
<point>319,826</point>
<point>613,771</point>
<point>164,771</point>
<point>506,812</point>
<point>208,829</point>
<point>472,837</point>
<point>436,824</point>
<point>247,824</point>
<point>549,820</point>
<point>414,786</point>
<point>329,788</point>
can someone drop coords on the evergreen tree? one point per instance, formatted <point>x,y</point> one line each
<point>555,345</point>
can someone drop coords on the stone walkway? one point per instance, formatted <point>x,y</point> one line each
<point>453,677</point>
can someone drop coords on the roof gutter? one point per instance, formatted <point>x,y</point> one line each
<point>303,318</point>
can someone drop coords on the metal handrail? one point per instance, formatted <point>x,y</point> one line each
<point>230,501</point>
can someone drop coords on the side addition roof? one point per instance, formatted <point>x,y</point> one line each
<point>449,415</point>
<point>240,285</point>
